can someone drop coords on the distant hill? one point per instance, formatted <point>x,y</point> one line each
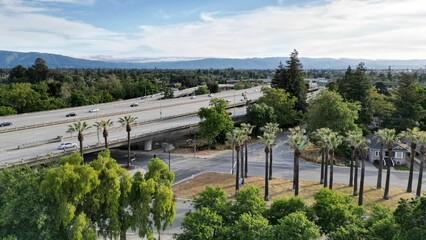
<point>10,59</point>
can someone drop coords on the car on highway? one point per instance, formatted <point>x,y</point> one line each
<point>71,114</point>
<point>67,145</point>
<point>134,105</point>
<point>211,95</point>
<point>192,97</point>
<point>5,124</point>
<point>94,110</point>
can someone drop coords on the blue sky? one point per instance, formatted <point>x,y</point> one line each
<point>138,30</point>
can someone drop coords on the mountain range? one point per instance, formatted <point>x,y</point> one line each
<point>9,59</point>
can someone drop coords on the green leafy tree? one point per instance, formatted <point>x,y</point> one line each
<point>104,125</point>
<point>356,87</point>
<point>250,227</point>
<point>68,184</point>
<point>411,216</point>
<point>282,103</point>
<point>381,224</point>
<point>260,114</point>
<point>328,110</point>
<point>202,90</point>
<point>248,200</point>
<point>282,207</point>
<point>128,121</point>
<point>6,110</point>
<point>290,78</point>
<point>79,127</point>
<point>38,71</point>
<point>215,120</point>
<point>201,224</point>
<point>407,103</point>
<point>213,198</point>
<point>24,210</point>
<point>332,210</point>
<point>296,226</point>
<point>23,98</point>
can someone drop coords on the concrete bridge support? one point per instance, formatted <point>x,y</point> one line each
<point>147,145</point>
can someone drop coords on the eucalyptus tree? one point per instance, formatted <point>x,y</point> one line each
<point>422,141</point>
<point>127,121</point>
<point>352,139</point>
<point>268,140</point>
<point>381,136</point>
<point>411,135</point>
<point>236,137</point>
<point>79,127</point>
<point>321,135</point>
<point>247,129</point>
<point>390,137</point>
<point>104,124</point>
<point>297,140</point>
<point>272,129</point>
<point>333,141</point>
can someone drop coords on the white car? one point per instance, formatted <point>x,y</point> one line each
<point>67,145</point>
<point>211,95</point>
<point>94,110</point>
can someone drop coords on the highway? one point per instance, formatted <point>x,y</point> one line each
<point>152,115</point>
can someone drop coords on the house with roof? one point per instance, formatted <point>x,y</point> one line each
<point>399,152</point>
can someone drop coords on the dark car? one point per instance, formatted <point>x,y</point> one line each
<point>134,105</point>
<point>71,114</point>
<point>5,124</point>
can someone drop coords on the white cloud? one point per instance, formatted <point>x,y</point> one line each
<point>375,29</point>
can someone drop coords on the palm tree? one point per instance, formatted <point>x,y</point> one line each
<point>422,141</point>
<point>79,127</point>
<point>361,184</point>
<point>389,137</point>
<point>355,141</point>
<point>128,121</point>
<point>333,141</point>
<point>104,124</point>
<point>247,129</point>
<point>412,135</point>
<point>380,134</point>
<point>297,140</point>
<point>322,135</point>
<point>272,129</point>
<point>352,139</point>
<point>236,137</point>
<point>268,140</point>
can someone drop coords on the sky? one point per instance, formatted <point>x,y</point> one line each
<point>141,30</point>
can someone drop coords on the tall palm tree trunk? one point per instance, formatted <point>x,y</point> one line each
<point>246,165</point>
<point>296,170</point>
<point>105,133</point>
<point>361,184</point>
<point>242,164</point>
<point>388,172</point>
<point>266,197</point>
<point>80,139</point>
<point>270,163</point>
<point>128,149</point>
<point>326,168</point>
<point>237,175</point>
<point>351,173</point>
<point>419,183</point>
<point>322,165</point>
<point>331,168</point>
<point>379,174</point>
<point>355,193</point>
<point>410,176</point>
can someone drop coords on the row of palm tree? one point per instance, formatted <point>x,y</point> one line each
<point>81,127</point>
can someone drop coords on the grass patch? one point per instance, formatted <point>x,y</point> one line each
<point>279,187</point>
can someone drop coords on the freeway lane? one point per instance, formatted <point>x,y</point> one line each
<point>114,107</point>
<point>10,141</point>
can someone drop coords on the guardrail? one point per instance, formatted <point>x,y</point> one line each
<point>51,156</point>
